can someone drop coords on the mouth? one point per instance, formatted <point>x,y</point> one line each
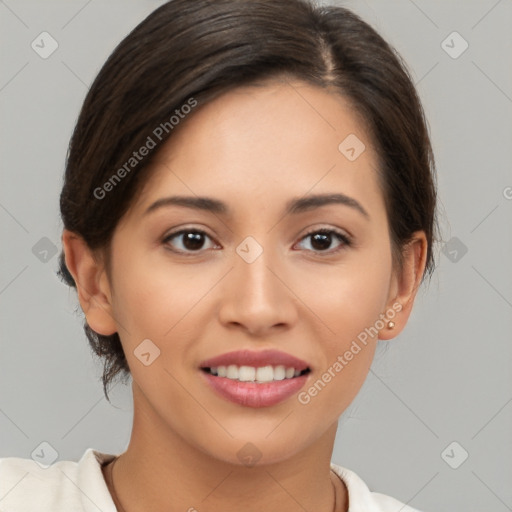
<point>261,374</point>
<point>255,378</point>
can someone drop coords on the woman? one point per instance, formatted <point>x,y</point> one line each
<point>249,205</point>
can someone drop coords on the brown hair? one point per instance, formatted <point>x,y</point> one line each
<point>199,49</point>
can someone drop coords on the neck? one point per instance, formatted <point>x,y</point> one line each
<point>161,471</point>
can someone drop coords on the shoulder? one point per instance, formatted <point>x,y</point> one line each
<point>361,499</point>
<point>65,485</point>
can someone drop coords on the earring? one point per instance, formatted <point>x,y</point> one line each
<point>391,325</point>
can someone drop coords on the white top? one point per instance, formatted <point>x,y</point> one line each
<point>68,486</point>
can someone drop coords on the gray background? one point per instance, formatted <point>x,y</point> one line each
<point>447,378</point>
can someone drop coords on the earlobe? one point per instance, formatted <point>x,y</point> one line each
<point>91,282</point>
<point>406,285</point>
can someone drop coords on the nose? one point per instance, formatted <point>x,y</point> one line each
<point>257,297</point>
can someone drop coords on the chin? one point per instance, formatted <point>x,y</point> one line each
<point>247,451</point>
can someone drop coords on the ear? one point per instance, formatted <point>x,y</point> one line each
<point>405,285</point>
<point>91,281</point>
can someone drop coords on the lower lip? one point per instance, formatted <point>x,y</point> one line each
<point>252,394</point>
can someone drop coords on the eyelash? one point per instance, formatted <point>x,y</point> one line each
<point>347,241</point>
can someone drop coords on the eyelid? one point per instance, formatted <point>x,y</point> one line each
<point>345,239</point>
<point>187,229</point>
<point>330,229</point>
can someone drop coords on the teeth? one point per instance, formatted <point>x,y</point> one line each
<point>265,374</point>
<point>246,373</point>
<point>252,374</point>
<point>279,373</point>
<point>232,372</point>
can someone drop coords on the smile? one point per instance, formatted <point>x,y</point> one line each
<point>255,378</point>
<point>253,374</point>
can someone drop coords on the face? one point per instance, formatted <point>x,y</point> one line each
<point>313,280</point>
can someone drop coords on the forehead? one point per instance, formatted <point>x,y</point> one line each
<point>268,141</point>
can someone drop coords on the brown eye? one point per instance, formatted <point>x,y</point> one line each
<point>321,240</point>
<point>188,240</point>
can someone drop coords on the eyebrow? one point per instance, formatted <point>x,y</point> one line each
<point>294,206</point>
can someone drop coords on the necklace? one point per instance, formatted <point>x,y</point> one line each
<point>121,509</point>
<point>114,493</point>
<point>335,509</point>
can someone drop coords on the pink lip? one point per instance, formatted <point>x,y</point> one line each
<point>252,394</point>
<point>256,359</point>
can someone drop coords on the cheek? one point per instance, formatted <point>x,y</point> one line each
<point>349,302</point>
<point>152,296</point>
<point>351,297</point>
<point>158,300</point>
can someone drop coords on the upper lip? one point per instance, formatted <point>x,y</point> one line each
<point>256,359</point>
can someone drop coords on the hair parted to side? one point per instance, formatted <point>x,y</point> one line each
<point>199,49</point>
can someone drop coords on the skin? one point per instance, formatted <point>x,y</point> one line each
<point>254,148</point>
